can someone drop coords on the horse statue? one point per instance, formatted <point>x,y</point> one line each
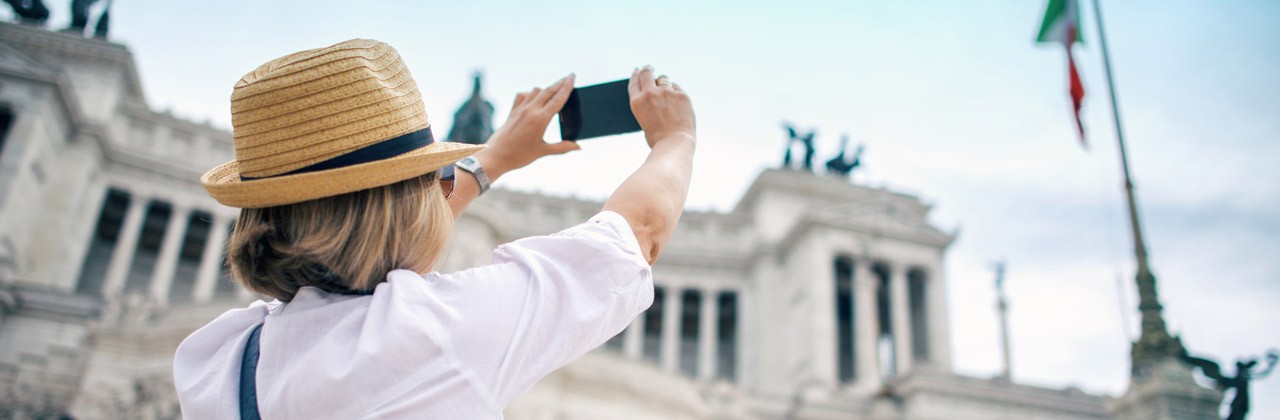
<point>804,139</point>
<point>839,166</point>
<point>31,12</point>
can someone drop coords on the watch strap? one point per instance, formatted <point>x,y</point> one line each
<point>472,166</point>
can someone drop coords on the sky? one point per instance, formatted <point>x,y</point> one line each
<point>953,100</point>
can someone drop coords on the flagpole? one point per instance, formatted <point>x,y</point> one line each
<point>1002,308</point>
<point>1154,341</point>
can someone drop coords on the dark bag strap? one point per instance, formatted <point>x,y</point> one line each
<point>248,370</point>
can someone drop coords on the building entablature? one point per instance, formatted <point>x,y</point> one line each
<point>62,50</point>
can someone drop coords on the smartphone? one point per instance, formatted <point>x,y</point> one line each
<point>597,111</point>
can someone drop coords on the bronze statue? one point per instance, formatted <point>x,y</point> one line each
<point>1244,374</point>
<point>79,15</point>
<point>473,123</point>
<point>805,139</point>
<point>104,23</point>
<point>838,165</point>
<point>30,12</point>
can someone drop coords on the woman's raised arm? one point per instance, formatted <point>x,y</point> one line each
<point>652,198</point>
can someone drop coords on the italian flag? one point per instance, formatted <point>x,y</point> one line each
<point>1062,25</point>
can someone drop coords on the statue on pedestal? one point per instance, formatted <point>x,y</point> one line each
<point>34,12</point>
<point>840,167</point>
<point>30,12</point>
<point>473,123</point>
<point>1244,374</point>
<point>79,15</point>
<point>804,139</point>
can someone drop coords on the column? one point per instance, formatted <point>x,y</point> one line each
<point>744,355</point>
<point>865,326</point>
<point>211,261</point>
<point>710,313</point>
<point>901,310</point>
<point>162,276</point>
<point>126,244</point>
<point>670,355</point>
<point>935,289</point>
<point>823,356</point>
<point>633,341</point>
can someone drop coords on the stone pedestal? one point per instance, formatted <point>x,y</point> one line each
<point>1166,391</point>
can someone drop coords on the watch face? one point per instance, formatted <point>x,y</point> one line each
<point>468,163</point>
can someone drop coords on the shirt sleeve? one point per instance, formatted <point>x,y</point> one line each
<point>547,300</point>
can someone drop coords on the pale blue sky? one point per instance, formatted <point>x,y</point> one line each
<point>955,102</point>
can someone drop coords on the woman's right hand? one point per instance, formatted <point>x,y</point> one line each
<point>663,111</point>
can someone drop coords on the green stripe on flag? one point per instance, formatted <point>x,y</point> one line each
<point>1058,16</point>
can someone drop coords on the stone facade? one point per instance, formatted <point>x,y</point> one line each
<point>812,298</point>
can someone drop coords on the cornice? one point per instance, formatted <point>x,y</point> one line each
<point>1068,401</point>
<point>141,112</point>
<point>48,303</point>
<point>74,46</point>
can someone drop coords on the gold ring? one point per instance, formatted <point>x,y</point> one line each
<point>664,81</point>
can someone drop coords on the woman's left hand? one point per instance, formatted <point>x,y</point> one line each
<point>519,142</point>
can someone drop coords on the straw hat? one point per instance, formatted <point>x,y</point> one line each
<point>324,122</point>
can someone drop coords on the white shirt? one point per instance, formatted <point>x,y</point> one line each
<point>440,346</point>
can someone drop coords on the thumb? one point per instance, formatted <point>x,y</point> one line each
<point>563,147</point>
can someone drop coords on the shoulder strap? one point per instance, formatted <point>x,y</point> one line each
<point>248,371</point>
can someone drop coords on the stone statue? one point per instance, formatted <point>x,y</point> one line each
<point>30,12</point>
<point>804,139</point>
<point>473,123</point>
<point>1244,374</point>
<point>839,166</point>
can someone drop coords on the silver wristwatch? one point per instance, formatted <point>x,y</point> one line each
<point>472,166</point>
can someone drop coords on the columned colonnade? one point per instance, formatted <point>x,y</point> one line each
<point>882,319</point>
<point>132,225</point>
<point>694,330</point>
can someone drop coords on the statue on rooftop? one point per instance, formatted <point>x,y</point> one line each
<point>841,167</point>
<point>1244,374</point>
<point>30,12</point>
<point>473,123</point>
<point>79,15</point>
<point>104,22</point>
<point>805,139</point>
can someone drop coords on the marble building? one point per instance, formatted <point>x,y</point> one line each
<point>811,298</point>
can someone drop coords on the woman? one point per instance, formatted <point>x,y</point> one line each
<point>347,204</point>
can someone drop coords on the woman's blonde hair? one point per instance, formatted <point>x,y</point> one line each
<point>342,244</point>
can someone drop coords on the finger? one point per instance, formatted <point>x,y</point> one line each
<point>562,147</point>
<point>553,90</point>
<point>533,95</point>
<point>633,87</point>
<point>646,81</point>
<point>676,86</point>
<point>561,94</point>
<point>543,95</point>
<point>520,98</point>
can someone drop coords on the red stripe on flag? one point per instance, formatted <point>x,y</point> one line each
<point>1077,88</point>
